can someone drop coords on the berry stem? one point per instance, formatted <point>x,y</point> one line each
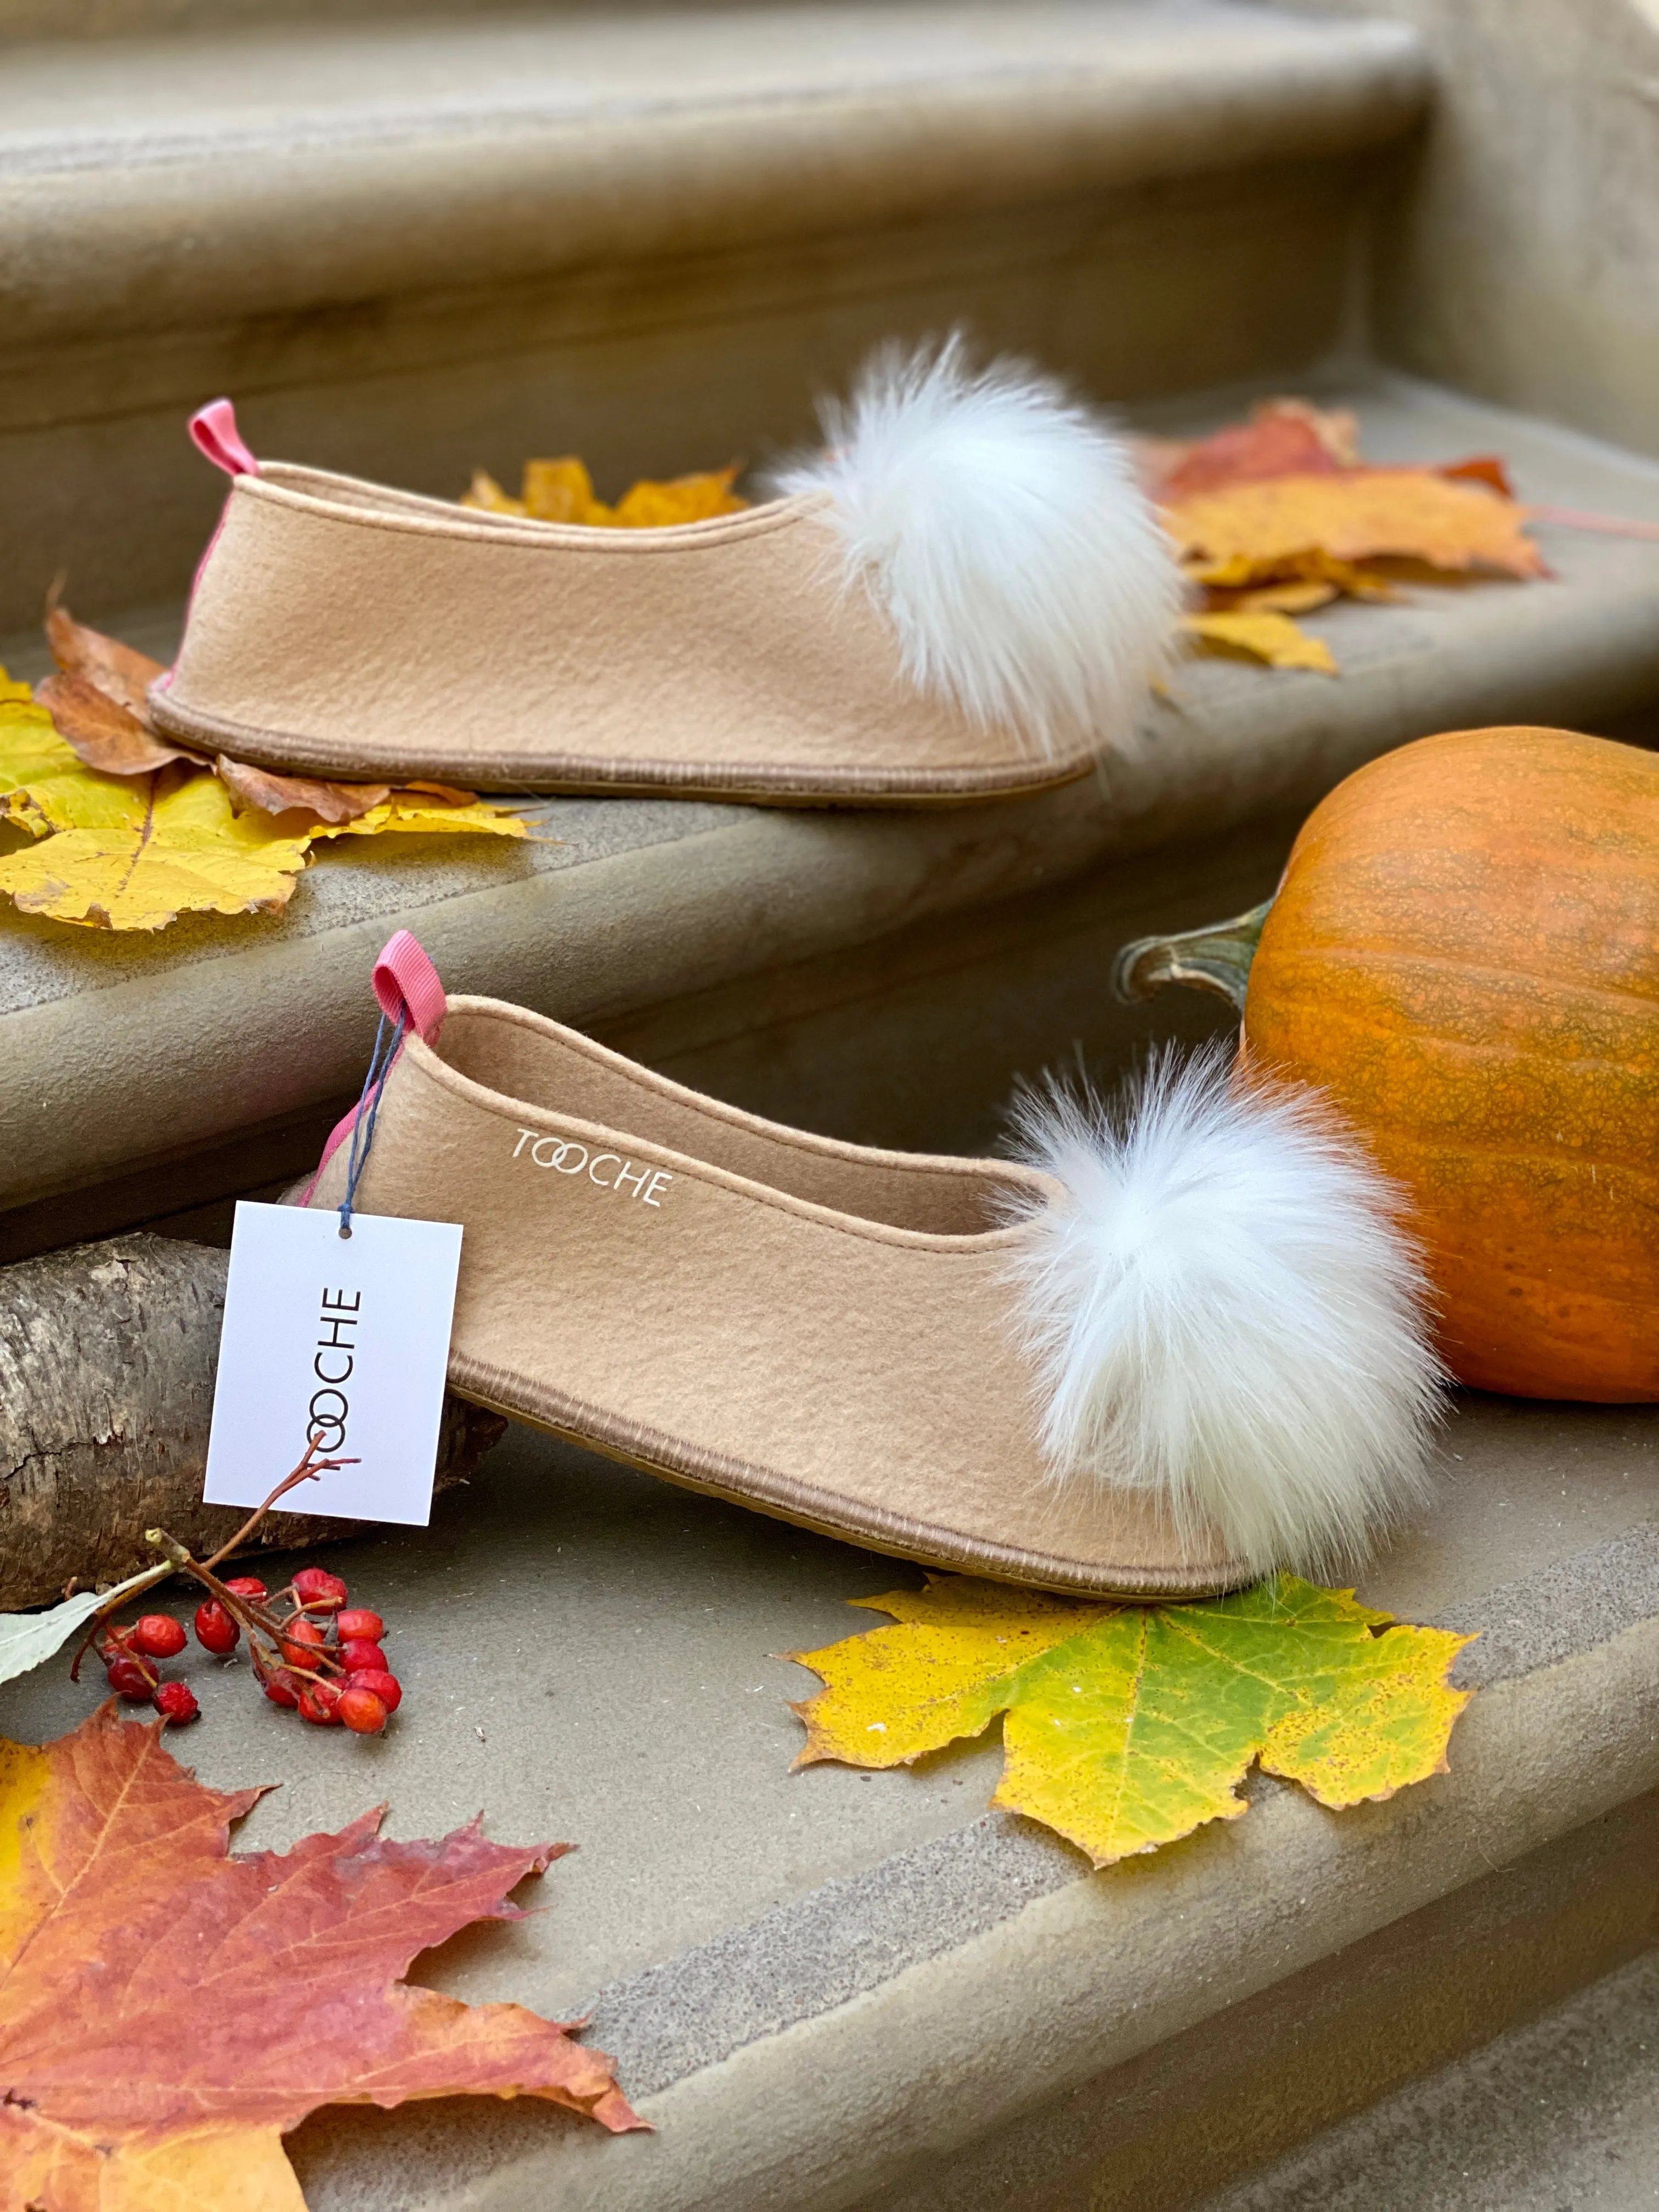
<point>307,1471</point>
<point>94,1626</point>
<point>256,1619</point>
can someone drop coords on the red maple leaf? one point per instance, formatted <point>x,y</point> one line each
<point>168,2009</point>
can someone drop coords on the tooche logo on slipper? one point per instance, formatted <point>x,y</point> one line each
<point>564,1156</point>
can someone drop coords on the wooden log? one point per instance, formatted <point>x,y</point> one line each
<point>107,1354</point>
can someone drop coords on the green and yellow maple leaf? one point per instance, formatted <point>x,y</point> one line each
<point>1127,1726</point>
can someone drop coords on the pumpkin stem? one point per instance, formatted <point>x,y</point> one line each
<point>1216,959</point>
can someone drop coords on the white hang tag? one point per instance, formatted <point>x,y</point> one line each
<point>342,1341</point>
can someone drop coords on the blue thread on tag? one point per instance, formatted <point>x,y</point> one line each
<point>368,1107</point>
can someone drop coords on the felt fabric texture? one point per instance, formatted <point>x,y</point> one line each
<point>341,629</point>
<point>817,1329</point>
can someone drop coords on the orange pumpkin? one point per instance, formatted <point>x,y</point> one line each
<point>1463,953</point>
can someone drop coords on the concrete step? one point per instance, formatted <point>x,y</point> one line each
<point>1559,2115</point>
<point>853,1993</point>
<point>883,977</point>
<point>409,247</point>
<point>63,20</point>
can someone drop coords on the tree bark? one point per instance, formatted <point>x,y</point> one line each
<point>107,1354</point>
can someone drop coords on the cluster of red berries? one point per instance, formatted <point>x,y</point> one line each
<point>127,1654</point>
<point>333,1671</point>
<point>311,1651</point>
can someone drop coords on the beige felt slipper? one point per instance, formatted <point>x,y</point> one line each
<point>881,1345</point>
<point>967,597</point>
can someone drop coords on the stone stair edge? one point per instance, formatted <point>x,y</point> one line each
<point>924,111</point>
<point>86,20</point>
<point>955,1988</point>
<point>649,901</point>
<point>1557,2110</point>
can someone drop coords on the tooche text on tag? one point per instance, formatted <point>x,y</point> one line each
<point>332,1362</point>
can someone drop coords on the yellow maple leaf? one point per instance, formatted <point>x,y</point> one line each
<point>135,851</point>
<point>43,784</point>
<point>1129,1726</point>
<point>562,490</point>
<point>1244,532</point>
<point>407,811</point>
<point>1264,634</point>
<point>171,845</point>
<point>652,505</point>
<point>485,494</point>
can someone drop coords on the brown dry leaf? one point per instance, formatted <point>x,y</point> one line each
<point>446,792</point>
<point>91,712</point>
<point>257,790</point>
<point>1252,532</point>
<point>99,731</point>
<point>120,671</point>
<point>170,2009</point>
<point>1264,636</point>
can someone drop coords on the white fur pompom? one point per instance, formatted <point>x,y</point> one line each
<point>1225,1310</point>
<point>1001,526</point>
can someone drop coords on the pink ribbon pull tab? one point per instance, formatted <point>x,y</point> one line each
<point>406,983</point>
<point>411,997</point>
<point>213,428</point>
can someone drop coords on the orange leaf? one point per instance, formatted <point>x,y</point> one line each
<point>257,790</point>
<point>120,671</point>
<point>99,731</point>
<point>1480,468</point>
<point>1252,531</point>
<point>168,2009</point>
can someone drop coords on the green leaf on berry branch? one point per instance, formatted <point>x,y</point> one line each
<point>28,1639</point>
<point>170,2008</point>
